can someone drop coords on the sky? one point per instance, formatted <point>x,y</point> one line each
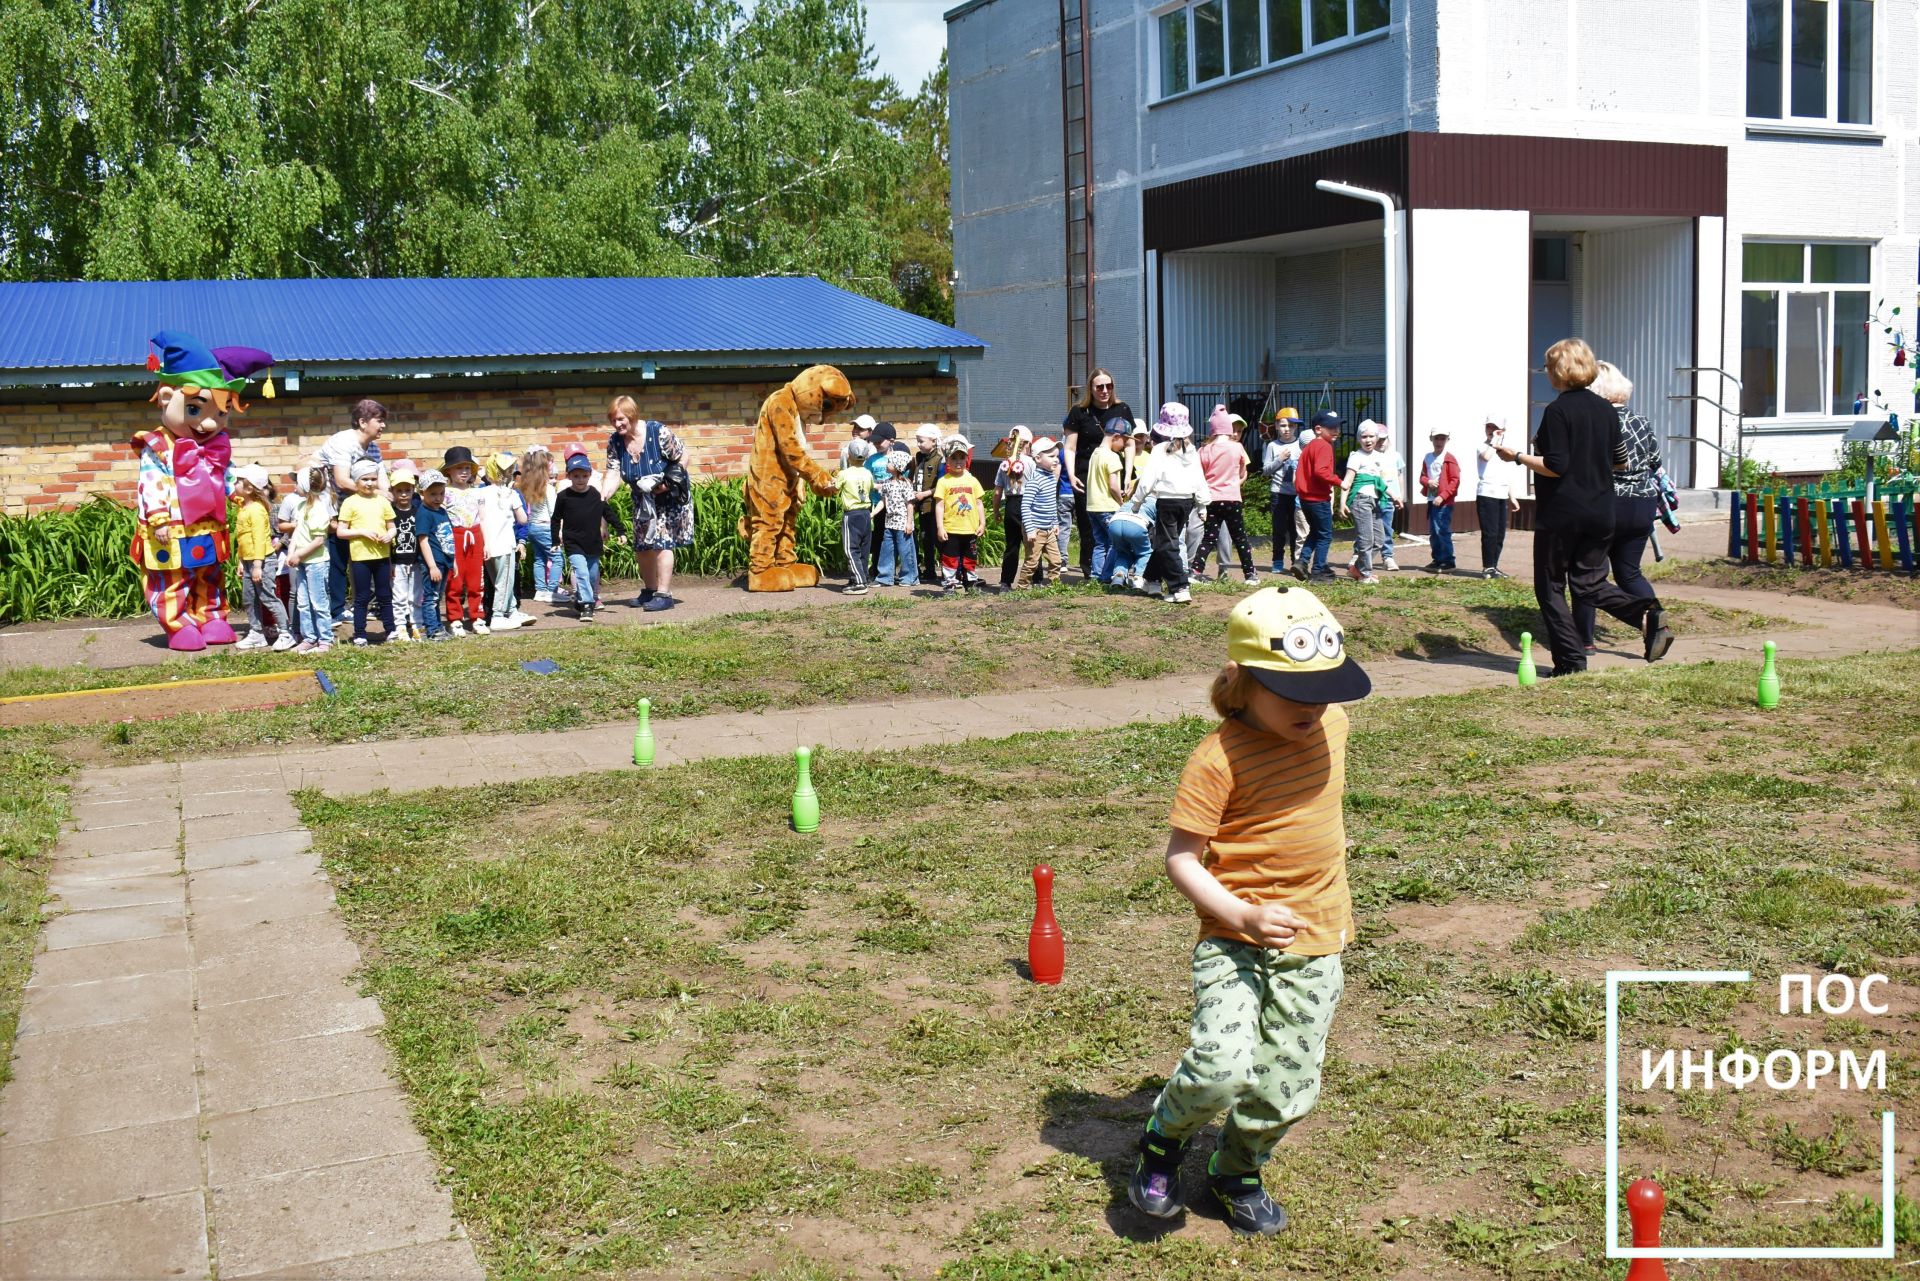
<point>907,37</point>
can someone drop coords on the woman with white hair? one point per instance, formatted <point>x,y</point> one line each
<point>1636,498</point>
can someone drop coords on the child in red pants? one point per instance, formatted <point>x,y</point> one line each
<point>466,580</point>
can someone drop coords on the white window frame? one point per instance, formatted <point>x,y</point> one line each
<point>1830,123</point>
<point>1806,285</point>
<point>1310,50</point>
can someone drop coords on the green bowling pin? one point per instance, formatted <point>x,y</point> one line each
<point>643,735</point>
<point>1529,674</point>
<point>1769,693</point>
<point>806,802</point>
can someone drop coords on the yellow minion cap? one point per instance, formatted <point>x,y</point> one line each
<point>1285,629</point>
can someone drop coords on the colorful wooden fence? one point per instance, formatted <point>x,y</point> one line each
<point>1812,525</point>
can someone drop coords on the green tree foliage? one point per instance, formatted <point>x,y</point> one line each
<point>922,222</point>
<point>234,138</point>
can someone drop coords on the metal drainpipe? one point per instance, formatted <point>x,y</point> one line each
<point>1390,255</point>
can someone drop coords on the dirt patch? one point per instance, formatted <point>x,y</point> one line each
<point>1858,587</point>
<point>160,701</point>
<point>1461,926</point>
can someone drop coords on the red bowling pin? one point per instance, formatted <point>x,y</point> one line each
<point>1046,952</point>
<point>1645,1204</point>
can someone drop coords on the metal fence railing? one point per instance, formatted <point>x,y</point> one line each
<point>1353,401</point>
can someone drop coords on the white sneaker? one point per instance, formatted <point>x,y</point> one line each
<point>285,643</point>
<point>456,628</point>
<point>521,619</point>
<point>252,640</point>
<point>402,635</point>
<point>1181,597</point>
<point>545,598</point>
<point>480,628</point>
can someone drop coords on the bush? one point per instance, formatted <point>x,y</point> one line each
<point>1750,474</point>
<point>76,564</point>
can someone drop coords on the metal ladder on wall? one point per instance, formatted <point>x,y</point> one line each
<point>1077,130</point>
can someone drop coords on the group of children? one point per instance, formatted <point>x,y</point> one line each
<point>894,498</point>
<point>430,556</point>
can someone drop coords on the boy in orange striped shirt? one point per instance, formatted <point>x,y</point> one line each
<point>1259,847</point>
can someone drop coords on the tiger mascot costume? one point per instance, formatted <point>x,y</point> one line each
<point>775,472</point>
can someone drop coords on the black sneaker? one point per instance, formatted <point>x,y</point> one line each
<point>1299,571</point>
<point>1155,1186</point>
<point>1659,638</point>
<point>1250,1211</point>
<point>640,601</point>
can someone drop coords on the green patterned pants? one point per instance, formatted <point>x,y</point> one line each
<point>1260,1021</point>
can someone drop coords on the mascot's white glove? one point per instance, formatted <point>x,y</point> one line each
<point>648,484</point>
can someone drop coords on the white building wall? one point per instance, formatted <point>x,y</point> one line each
<point>1216,308</point>
<point>1471,270</point>
<point>1675,71</point>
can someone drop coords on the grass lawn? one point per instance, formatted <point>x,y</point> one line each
<point>33,803</point>
<point>1879,587</point>
<point>652,1033</point>
<point>875,650</point>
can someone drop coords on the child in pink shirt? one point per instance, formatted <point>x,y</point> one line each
<point>1224,462</point>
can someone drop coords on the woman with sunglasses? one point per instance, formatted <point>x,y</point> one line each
<point>1084,428</point>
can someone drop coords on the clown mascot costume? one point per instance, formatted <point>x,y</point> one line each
<point>185,475</point>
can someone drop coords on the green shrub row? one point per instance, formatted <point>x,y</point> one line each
<point>76,564</point>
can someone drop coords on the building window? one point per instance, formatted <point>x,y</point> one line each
<point>1803,328</point>
<point>1810,61</point>
<point>1207,40</point>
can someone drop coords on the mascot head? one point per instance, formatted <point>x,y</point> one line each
<point>821,390</point>
<point>200,387</point>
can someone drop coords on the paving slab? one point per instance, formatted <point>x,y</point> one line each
<point>133,1161</point>
<point>71,869</point>
<point>162,834</point>
<point>225,826</point>
<point>315,1216</point>
<point>242,1146</point>
<point>316,1067</point>
<point>111,960</point>
<point>94,894</point>
<point>167,995</point>
<point>234,801</point>
<point>161,1237</point>
<point>58,1107</point>
<point>115,925</point>
<point>223,1028</point>
<point>437,1261</point>
<point>252,877</point>
<point>103,1047</point>
<point>324,967</point>
<point>263,847</point>
<point>271,904</point>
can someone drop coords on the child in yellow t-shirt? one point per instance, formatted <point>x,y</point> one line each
<point>1259,848</point>
<point>257,548</point>
<point>365,523</point>
<point>959,514</point>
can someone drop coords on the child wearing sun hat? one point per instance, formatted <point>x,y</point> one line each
<point>1259,847</point>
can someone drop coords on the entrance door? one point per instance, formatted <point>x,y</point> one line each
<point>1551,301</point>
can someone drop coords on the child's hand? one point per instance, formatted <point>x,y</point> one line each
<point>255,572</point>
<point>1270,924</point>
<point>433,573</point>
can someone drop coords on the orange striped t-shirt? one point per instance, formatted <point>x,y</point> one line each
<point>1271,812</point>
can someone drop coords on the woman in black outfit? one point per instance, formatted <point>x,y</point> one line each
<point>1082,431</point>
<point>1577,450</point>
<point>1635,497</point>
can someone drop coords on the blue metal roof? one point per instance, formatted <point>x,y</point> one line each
<point>371,326</point>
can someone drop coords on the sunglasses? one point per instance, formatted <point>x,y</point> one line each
<point>1103,386</point>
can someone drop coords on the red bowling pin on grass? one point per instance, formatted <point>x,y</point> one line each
<point>1046,952</point>
<point>1645,1204</point>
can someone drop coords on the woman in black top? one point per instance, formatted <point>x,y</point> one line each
<point>1083,429</point>
<point>1635,496</point>
<point>1577,450</point>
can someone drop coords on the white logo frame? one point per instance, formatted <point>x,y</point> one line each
<point>1617,1251</point>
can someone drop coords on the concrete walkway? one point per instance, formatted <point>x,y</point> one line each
<point>198,1084</point>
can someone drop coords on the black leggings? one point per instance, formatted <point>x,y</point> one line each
<point>1169,539</point>
<point>1226,512</point>
<point>1285,537</point>
<point>1576,561</point>
<point>1016,538</point>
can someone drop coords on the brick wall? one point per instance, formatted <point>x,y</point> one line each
<point>57,455</point>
